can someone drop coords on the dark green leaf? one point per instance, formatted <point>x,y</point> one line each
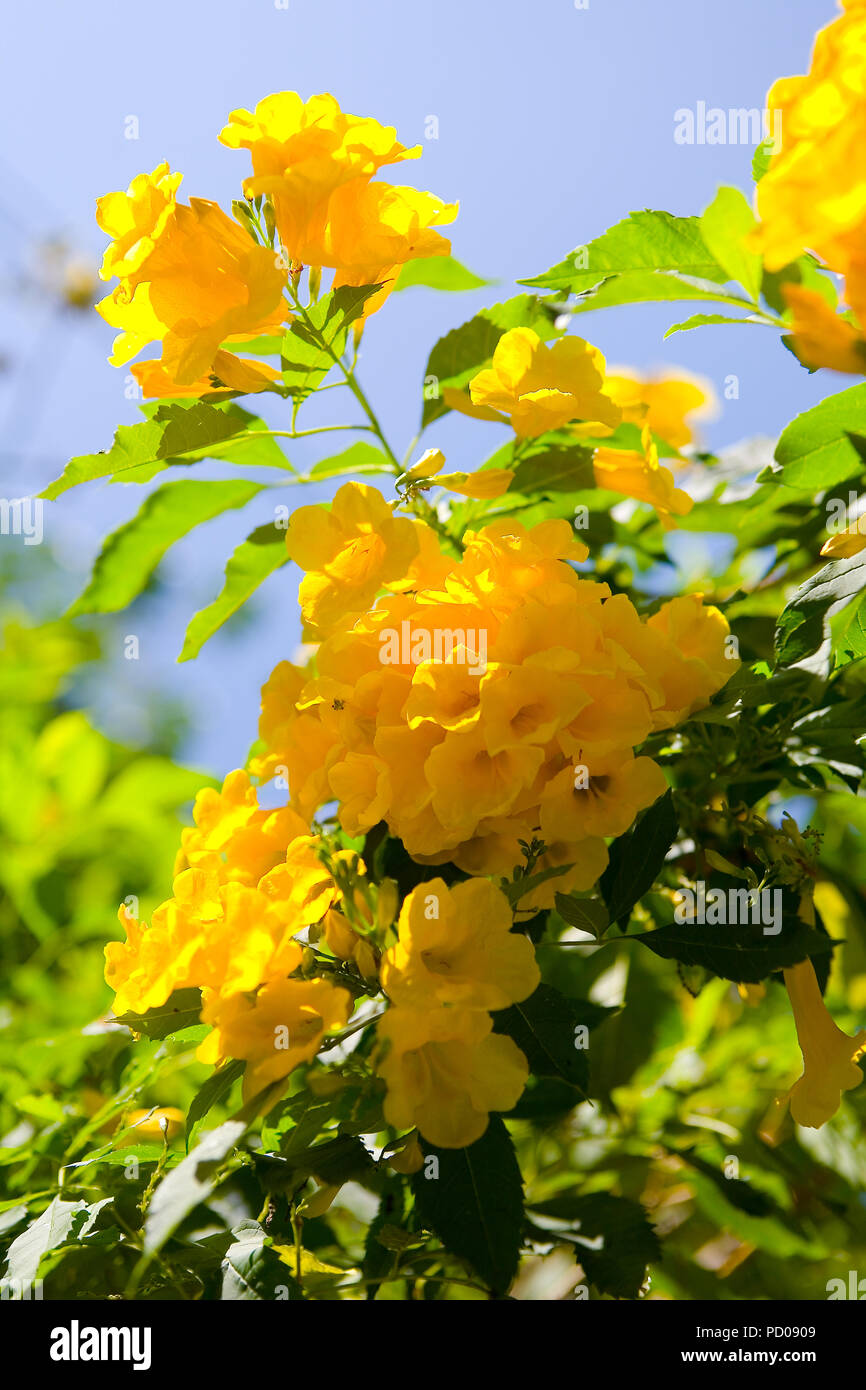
<point>180,1010</point>
<point>802,625</point>
<point>475,1205</point>
<point>544,1027</point>
<point>630,1243</point>
<point>738,952</point>
<point>218,1085</point>
<point>636,858</point>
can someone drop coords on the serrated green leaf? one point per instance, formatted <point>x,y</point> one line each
<point>802,624</point>
<point>130,555</point>
<point>587,914</point>
<point>312,342</point>
<point>543,1027</point>
<point>823,446</point>
<point>636,858</point>
<point>629,1241</point>
<point>643,241</point>
<point>735,951</point>
<point>255,559</point>
<point>253,1272</point>
<point>174,432</point>
<point>475,1205</point>
<point>554,468</point>
<point>705,320</point>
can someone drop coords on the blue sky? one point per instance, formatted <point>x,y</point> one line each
<point>554,121</point>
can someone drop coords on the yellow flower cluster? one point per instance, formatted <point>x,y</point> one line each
<point>483,701</point>
<point>317,166</point>
<point>456,958</point>
<point>248,880</point>
<point>536,388</point>
<point>813,196</point>
<point>193,279</point>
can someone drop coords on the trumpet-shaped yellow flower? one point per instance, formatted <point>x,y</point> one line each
<point>485,484</point>
<point>820,336</point>
<point>813,196</point>
<point>668,405</point>
<point>135,220</point>
<point>541,388</point>
<point>376,228</point>
<point>829,1055</point>
<point>599,798</point>
<point>349,553</point>
<point>283,1026</point>
<point>849,542</point>
<point>228,375</point>
<point>445,1070</point>
<point>302,153</point>
<point>456,946</point>
<point>642,477</point>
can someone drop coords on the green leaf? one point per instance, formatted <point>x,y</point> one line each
<point>175,432</point>
<point>705,320</point>
<point>462,353</point>
<point>217,1086</point>
<point>643,241</point>
<point>191,1182</point>
<point>629,1241</point>
<point>130,555</point>
<point>260,555</point>
<point>439,273</point>
<point>802,624</point>
<point>725,225</point>
<point>312,342</point>
<point>761,159</point>
<point>253,1272</point>
<point>554,468</point>
<point>60,1223</point>
<point>587,914</point>
<point>735,951</point>
<point>475,1205</point>
<point>636,858</point>
<point>820,447</point>
<point>652,287</point>
<point>360,457</point>
<point>181,1010</point>
<point>544,1028</point>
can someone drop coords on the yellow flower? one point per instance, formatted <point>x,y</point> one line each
<point>642,477</point>
<point>348,553</point>
<point>157,1123</point>
<point>849,542</point>
<point>280,1028</point>
<point>456,946</point>
<point>135,220</point>
<point>813,196</point>
<point>228,374</point>
<point>205,281</point>
<point>829,1055</point>
<point>600,798</point>
<point>431,462</point>
<point>699,658</point>
<point>445,1070</point>
<point>376,228</point>
<point>486,483</point>
<point>541,388</point>
<point>667,404</point>
<point>821,337</point>
<point>302,153</point>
